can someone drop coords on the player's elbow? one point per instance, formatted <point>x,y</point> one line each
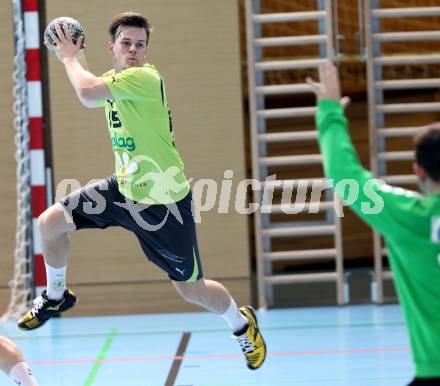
<point>88,104</point>
<point>87,98</point>
<point>93,90</point>
<point>85,94</point>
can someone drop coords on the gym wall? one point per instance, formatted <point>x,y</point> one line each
<point>196,46</point>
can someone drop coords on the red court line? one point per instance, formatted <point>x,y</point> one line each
<point>217,356</point>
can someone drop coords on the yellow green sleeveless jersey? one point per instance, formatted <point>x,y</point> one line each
<point>410,225</point>
<point>148,166</point>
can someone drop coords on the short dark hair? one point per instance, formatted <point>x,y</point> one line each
<point>128,19</point>
<point>428,150</point>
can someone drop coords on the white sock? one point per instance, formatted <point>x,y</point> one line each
<point>235,319</point>
<point>21,374</point>
<point>56,282</point>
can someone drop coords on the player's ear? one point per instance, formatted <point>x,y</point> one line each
<point>110,46</point>
<point>419,171</point>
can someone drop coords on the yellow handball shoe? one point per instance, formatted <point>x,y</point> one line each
<point>44,308</point>
<point>251,341</point>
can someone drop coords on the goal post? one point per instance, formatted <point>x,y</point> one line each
<point>29,272</point>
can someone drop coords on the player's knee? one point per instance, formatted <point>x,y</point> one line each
<point>50,222</point>
<point>191,293</point>
<point>44,222</point>
<point>9,354</point>
<point>185,293</point>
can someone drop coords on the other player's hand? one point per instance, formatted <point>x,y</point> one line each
<point>329,86</point>
<point>64,47</point>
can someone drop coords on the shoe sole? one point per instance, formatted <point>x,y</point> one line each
<point>25,328</point>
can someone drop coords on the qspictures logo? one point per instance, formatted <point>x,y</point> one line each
<point>125,143</point>
<point>302,196</point>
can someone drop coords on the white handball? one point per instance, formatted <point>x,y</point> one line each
<point>74,26</point>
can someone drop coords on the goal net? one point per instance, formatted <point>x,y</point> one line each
<point>21,285</point>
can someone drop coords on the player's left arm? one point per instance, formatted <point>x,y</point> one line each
<point>88,87</point>
<point>383,207</point>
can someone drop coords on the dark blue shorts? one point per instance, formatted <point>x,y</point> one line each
<point>167,233</point>
<point>425,382</point>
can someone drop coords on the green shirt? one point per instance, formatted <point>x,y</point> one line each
<point>410,225</point>
<point>148,166</point>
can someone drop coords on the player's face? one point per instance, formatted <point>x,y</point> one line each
<point>129,48</point>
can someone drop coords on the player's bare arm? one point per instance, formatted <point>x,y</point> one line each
<point>88,87</point>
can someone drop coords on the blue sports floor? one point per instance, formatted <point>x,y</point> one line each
<point>351,346</point>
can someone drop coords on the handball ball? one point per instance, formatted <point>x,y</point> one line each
<point>75,28</point>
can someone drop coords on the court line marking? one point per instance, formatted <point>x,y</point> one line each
<point>101,357</point>
<point>207,331</point>
<point>307,382</point>
<point>217,356</point>
<point>177,362</point>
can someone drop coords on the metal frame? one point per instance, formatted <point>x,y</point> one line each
<point>377,109</point>
<point>264,230</point>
